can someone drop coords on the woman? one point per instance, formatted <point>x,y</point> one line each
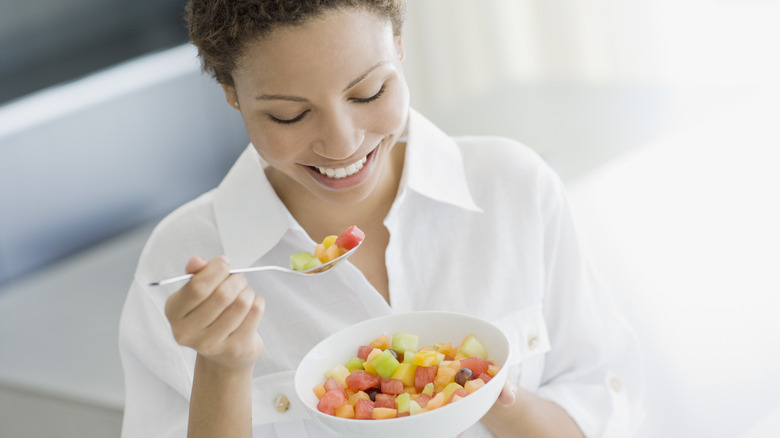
<point>477,225</point>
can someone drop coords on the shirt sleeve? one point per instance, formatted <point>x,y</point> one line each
<point>157,377</point>
<point>594,368</point>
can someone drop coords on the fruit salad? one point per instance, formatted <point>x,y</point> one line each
<point>331,247</point>
<point>391,377</point>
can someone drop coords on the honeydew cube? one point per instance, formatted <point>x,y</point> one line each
<point>414,408</point>
<point>303,261</point>
<point>354,363</point>
<point>471,347</point>
<point>403,342</point>
<point>428,389</point>
<point>402,402</point>
<point>385,364</point>
<point>369,359</point>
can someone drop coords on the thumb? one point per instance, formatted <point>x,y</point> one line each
<point>507,396</point>
<point>195,264</point>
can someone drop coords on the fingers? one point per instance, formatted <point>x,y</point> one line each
<point>205,280</point>
<point>507,395</point>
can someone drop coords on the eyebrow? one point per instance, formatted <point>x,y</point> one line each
<point>356,81</point>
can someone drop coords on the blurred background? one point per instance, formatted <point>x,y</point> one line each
<point>662,118</point>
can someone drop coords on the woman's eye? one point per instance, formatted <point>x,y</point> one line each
<point>288,121</point>
<point>370,99</point>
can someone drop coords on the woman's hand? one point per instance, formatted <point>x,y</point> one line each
<point>217,315</point>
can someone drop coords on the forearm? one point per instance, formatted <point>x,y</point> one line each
<point>221,403</point>
<point>530,417</point>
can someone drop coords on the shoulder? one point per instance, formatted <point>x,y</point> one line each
<point>188,231</point>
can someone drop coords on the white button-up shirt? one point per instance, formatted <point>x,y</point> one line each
<point>480,226</point>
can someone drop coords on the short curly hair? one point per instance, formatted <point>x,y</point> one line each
<point>220,29</point>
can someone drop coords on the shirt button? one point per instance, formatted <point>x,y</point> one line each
<point>533,341</point>
<point>615,384</point>
<point>281,403</point>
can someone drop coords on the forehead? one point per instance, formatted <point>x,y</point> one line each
<point>335,46</point>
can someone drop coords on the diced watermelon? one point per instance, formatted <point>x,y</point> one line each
<point>331,400</point>
<point>364,351</point>
<point>384,401</point>
<point>423,400</point>
<point>392,386</point>
<point>364,409</point>
<point>424,375</point>
<point>350,238</point>
<point>331,384</point>
<point>362,380</point>
<point>475,364</point>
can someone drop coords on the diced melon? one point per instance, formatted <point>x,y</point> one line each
<point>319,390</point>
<point>354,363</point>
<point>414,408</point>
<point>471,347</point>
<point>402,402</point>
<point>403,342</point>
<point>385,364</point>
<point>382,342</point>
<point>428,389</point>
<point>473,385</point>
<point>436,402</point>
<point>340,373</point>
<point>345,411</point>
<point>304,261</point>
<point>382,413</point>
<point>444,376</point>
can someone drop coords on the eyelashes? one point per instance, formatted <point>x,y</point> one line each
<point>354,100</point>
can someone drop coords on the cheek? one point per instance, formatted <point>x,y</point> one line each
<point>274,146</point>
<point>394,111</point>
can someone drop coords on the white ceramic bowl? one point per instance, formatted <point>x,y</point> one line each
<point>445,422</point>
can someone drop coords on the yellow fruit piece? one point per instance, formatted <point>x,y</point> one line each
<point>473,385</point>
<point>345,411</point>
<point>383,413</point>
<point>319,390</point>
<point>367,364</point>
<point>353,399</point>
<point>493,369</point>
<point>382,343</point>
<point>455,365</point>
<point>425,358</point>
<point>449,389</point>
<point>340,373</point>
<point>445,349</point>
<point>428,389</point>
<point>328,241</point>
<point>405,373</point>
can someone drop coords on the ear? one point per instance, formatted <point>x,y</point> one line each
<point>231,96</point>
<point>399,47</point>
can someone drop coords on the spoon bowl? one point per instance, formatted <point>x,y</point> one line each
<point>325,267</point>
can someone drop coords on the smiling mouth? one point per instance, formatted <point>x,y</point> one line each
<point>343,172</point>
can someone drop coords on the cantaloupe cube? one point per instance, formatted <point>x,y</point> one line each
<point>493,369</point>
<point>473,385</point>
<point>345,411</point>
<point>319,252</point>
<point>382,413</point>
<point>444,376</point>
<point>436,402</point>
<point>333,252</point>
<point>319,390</point>
<point>382,342</point>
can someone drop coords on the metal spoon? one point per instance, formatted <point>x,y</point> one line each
<point>313,271</point>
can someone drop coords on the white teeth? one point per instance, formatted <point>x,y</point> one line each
<point>343,172</point>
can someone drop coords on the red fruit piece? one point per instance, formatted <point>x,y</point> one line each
<point>384,401</point>
<point>330,401</point>
<point>333,385</point>
<point>361,380</point>
<point>485,377</point>
<point>475,364</point>
<point>364,351</point>
<point>350,238</point>
<point>392,386</point>
<point>364,409</point>
<point>423,400</point>
<point>424,375</point>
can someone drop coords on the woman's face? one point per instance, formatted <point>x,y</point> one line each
<point>324,103</point>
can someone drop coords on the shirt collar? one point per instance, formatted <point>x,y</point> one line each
<point>251,218</point>
<point>433,166</point>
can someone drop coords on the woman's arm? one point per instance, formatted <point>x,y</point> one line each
<point>520,413</point>
<point>217,315</point>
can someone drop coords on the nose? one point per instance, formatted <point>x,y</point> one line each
<point>339,136</point>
